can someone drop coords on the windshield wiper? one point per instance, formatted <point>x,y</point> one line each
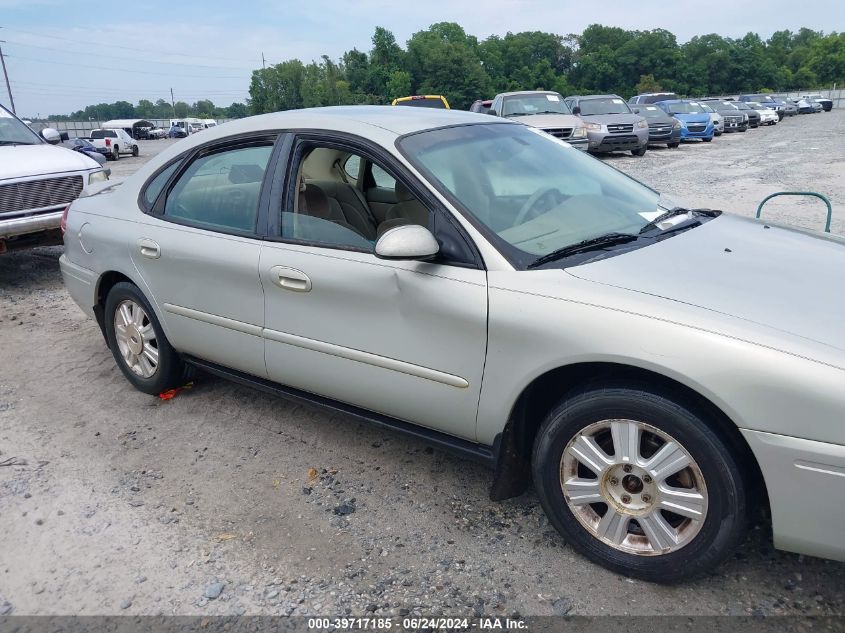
<point>549,112</point>
<point>516,114</point>
<point>2,142</point>
<point>674,212</point>
<point>595,243</point>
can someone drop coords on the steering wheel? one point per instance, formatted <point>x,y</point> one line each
<point>551,196</point>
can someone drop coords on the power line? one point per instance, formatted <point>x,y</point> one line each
<point>128,48</point>
<point>123,70</point>
<point>132,59</point>
<point>6,75</point>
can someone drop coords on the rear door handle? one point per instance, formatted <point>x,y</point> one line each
<point>149,248</point>
<point>290,279</point>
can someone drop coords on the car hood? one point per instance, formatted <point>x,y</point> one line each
<point>611,119</point>
<point>546,121</point>
<point>693,117</point>
<point>19,161</point>
<point>765,275</point>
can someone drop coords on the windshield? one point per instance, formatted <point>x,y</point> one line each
<point>685,107</point>
<point>539,103</point>
<point>652,112</point>
<point>532,194</point>
<point>14,132</point>
<point>706,108</point>
<point>740,106</point>
<point>603,105</point>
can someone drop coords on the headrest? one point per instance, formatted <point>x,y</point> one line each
<point>402,192</point>
<point>313,201</point>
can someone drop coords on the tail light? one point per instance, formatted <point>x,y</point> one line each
<point>108,142</point>
<point>64,219</point>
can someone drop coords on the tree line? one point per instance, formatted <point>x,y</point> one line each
<point>444,59</point>
<point>160,109</point>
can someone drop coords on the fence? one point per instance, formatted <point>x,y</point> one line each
<point>835,95</point>
<point>83,128</point>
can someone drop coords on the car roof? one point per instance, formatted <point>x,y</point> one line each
<point>594,97</point>
<point>517,93</point>
<point>385,123</point>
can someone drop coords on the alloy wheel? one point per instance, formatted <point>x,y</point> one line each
<point>633,487</point>
<point>136,338</point>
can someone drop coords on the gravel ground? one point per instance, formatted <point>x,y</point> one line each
<point>228,501</point>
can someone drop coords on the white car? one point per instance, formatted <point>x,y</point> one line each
<point>37,181</point>
<point>716,118</point>
<point>767,115</point>
<point>114,142</point>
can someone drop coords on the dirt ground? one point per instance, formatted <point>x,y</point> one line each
<point>224,500</point>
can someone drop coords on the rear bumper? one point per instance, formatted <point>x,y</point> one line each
<point>805,481</point>
<point>31,223</point>
<point>81,284</point>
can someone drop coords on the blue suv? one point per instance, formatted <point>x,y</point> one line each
<point>695,120</point>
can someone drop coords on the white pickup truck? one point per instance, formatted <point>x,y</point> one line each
<point>113,143</point>
<point>37,182</point>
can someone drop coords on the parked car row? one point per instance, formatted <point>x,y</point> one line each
<point>607,123</point>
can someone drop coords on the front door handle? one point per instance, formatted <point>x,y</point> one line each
<point>290,279</point>
<point>149,248</point>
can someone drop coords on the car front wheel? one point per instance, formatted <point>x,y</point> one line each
<point>137,342</point>
<point>639,483</point>
<point>134,150</point>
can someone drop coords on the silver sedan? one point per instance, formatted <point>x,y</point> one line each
<point>659,374</point>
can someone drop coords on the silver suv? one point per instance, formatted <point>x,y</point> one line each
<point>542,109</point>
<point>611,125</point>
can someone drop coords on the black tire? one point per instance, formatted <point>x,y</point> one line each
<point>707,140</point>
<point>134,150</point>
<point>718,133</point>
<point>725,521</point>
<point>673,145</point>
<point>116,153</point>
<point>639,152</point>
<point>171,370</point>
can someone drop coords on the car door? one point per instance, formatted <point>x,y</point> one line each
<point>198,250</point>
<point>406,339</point>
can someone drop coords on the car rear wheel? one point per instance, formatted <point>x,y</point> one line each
<point>639,483</point>
<point>115,153</point>
<point>137,342</point>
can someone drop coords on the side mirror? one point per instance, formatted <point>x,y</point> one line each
<point>64,136</point>
<point>576,110</point>
<point>407,241</point>
<point>636,110</point>
<point>51,136</point>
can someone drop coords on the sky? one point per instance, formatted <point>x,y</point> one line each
<point>62,56</point>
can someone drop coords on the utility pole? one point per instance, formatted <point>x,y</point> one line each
<point>172,103</point>
<point>263,61</point>
<point>6,75</point>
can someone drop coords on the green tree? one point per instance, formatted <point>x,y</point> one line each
<point>398,85</point>
<point>444,60</point>
<point>648,83</point>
